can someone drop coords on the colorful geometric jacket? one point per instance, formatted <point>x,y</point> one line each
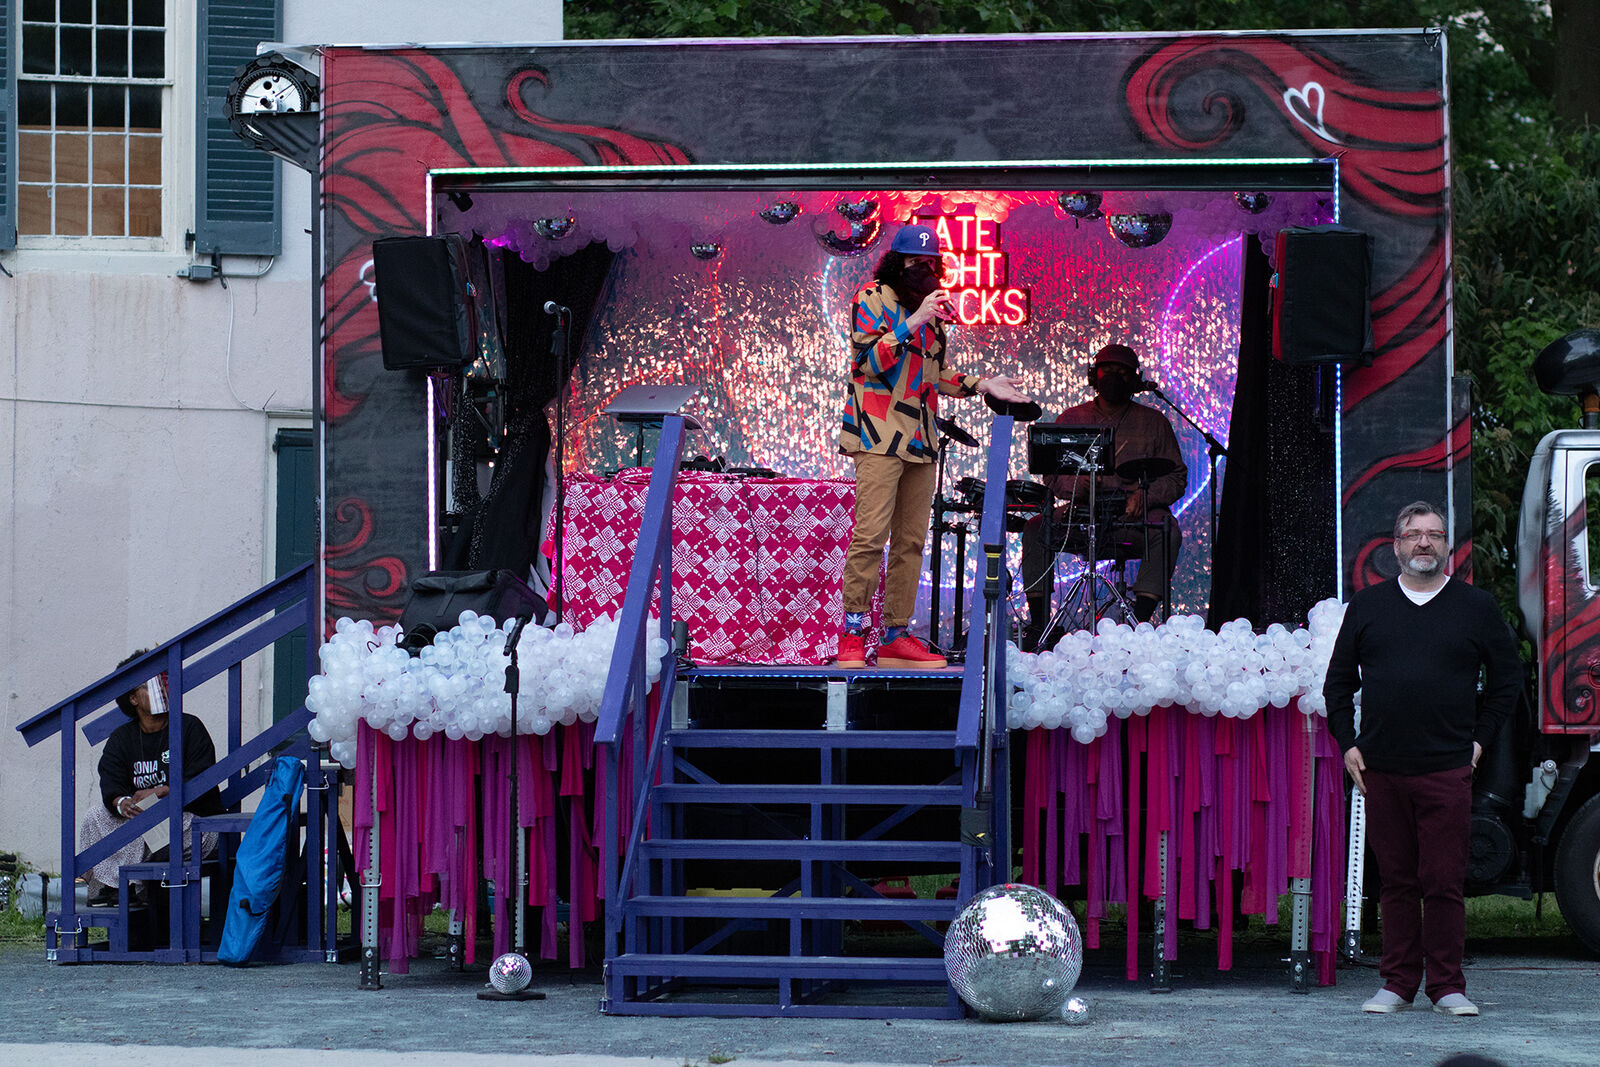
<point>896,376</point>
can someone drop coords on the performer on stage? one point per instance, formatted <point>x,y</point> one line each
<point>897,372</point>
<point>1141,433</point>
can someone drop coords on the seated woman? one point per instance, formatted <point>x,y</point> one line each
<point>133,770</point>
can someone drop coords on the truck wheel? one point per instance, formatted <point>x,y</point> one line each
<point>1578,874</point>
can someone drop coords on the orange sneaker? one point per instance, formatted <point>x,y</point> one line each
<point>906,651</point>
<point>852,651</point>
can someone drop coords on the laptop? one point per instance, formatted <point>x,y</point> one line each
<point>648,403</point>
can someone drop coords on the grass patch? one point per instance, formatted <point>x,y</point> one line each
<point>14,929</point>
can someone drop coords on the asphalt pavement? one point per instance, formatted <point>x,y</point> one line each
<point>1539,1001</point>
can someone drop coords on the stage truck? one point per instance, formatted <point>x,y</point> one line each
<point>697,213</point>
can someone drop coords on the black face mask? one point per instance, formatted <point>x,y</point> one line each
<point>918,280</point>
<point>1113,388</point>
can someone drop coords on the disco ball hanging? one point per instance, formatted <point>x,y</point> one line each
<point>1013,953</point>
<point>781,212</point>
<point>705,250</point>
<point>1255,203</point>
<point>554,229</point>
<point>1139,230</point>
<point>1080,205</point>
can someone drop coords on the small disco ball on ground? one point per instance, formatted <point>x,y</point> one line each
<point>510,973</point>
<point>1013,953</point>
<point>1077,1011</point>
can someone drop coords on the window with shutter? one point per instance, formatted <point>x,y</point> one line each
<point>237,204</point>
<point>91,85</point>
<point>8,138</point>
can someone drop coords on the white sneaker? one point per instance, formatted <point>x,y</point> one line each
<point>1455,1004</point>
<point>1386,1001</point>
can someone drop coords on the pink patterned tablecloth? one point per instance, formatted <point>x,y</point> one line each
<point>756,562</point>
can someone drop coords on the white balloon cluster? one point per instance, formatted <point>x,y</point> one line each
<point>457,685</point>
<point>1123,670</point>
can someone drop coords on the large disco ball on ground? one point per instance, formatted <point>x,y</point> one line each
<point>510,973</point>
<point>1013,953</point>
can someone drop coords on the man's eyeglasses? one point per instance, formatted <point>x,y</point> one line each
<point>1411,537</point>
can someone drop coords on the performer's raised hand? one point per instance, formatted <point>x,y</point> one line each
<point>1003,389</point>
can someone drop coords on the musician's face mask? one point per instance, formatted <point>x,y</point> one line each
<point>920,277</point>
<point>1114,383</point>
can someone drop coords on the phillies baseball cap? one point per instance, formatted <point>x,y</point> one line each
<point>916,241</point>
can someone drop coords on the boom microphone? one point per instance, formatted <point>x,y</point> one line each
<point>1145,385</point>
<point>553,308</point>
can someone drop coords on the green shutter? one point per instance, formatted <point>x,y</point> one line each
<point>237,206</point>
<point>8,127</point>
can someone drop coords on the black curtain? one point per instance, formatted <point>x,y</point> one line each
<point>1273,557</point>
<point>506,528</point>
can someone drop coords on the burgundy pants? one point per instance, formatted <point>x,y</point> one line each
<point>1419,825</point>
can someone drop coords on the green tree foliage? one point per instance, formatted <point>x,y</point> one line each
<point>1526,204</point>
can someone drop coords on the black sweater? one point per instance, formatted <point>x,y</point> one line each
<point>1417,668</point>
<point>134,760</point>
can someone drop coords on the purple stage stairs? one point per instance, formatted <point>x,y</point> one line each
<point>768,802</point>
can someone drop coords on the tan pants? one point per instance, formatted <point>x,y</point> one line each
<point>893,501</point>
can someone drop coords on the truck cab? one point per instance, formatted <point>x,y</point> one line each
<point>1547,834</point>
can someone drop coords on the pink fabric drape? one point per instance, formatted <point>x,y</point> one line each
<point>1224,791</point>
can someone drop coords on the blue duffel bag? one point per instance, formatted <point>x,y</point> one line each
<point>259,868</point>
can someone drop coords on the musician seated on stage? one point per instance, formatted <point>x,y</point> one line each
<point>1141,433</point>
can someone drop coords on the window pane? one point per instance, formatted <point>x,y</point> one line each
<point>144,212</point>
<point>108,207</point>
<point>144,107</point>
<point>111,12</point>
<point>33,103</point>
<point>33,209</point>
<point>72,210</point>
<point>149,54</point>
<point>39,10</point>
<point>77,11</point>
<point>75,45</point>
<point>72,105</point>
<point>149,12</point>
<point>144,160</point>
<point>111,53</point>
<point>72,158</point>
<point>110,108</point>
<point>108,166</point>
<point>38,49</point>
<point>33,156</point>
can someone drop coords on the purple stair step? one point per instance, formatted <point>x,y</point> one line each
<point>946,678</point>
<point>798,850</point>
<point>882,908</point>
<point>855,968</point>
<point>801,793</point>
<point>885,739</point>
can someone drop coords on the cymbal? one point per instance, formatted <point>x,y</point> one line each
<point>949,428</point>
<point>1024,411</point>
<point>1149,468</point>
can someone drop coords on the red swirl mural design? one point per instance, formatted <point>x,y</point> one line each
<point>1571,661</point>
<point>1389,143</point>
<point>389,118</point>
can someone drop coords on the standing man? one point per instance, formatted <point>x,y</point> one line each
<point>1414,647</point>
<point>897,372</point>
<point>1140,433</point>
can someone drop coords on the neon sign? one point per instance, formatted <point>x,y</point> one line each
<point>975,271</point>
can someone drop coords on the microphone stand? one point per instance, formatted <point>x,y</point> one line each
<point>560,349</point>
<point>518,858</point>
<point>1214,450</point>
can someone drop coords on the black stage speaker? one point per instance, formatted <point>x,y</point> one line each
<point>1322,308</point>
<point>425,312</point>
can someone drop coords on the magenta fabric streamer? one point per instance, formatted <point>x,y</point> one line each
<point>1224,791</point>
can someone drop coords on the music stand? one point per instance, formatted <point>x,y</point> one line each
<point>647,405</point>
<point>1064,449</point>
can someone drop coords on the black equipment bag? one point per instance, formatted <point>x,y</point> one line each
<point>438,599</point>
